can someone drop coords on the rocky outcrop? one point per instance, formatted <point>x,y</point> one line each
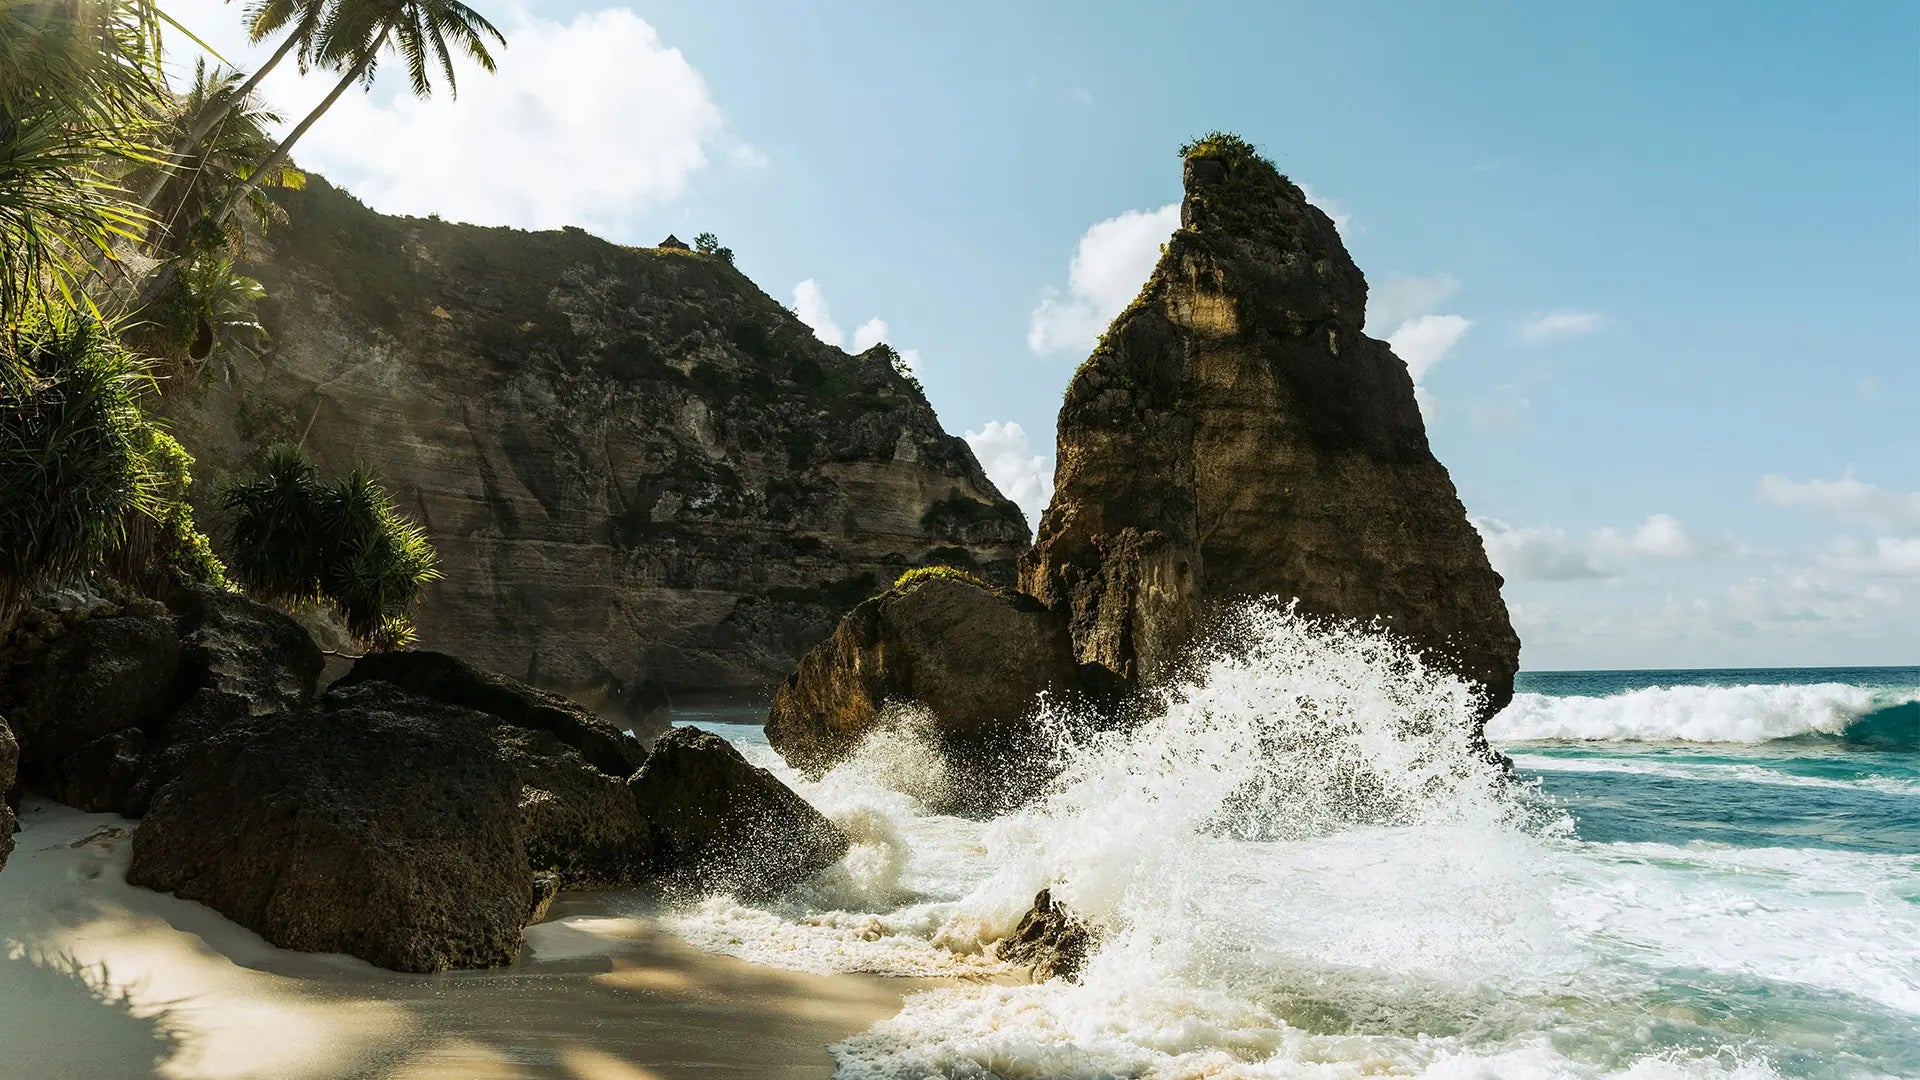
<point>1051,942</point>
<point>1237,434</point>
<point>96,674</point>
<point>722,824</point>
<point>9,761</point>
<point>974,656</point>
<point>642,474</point>
<point>240,659</point>
<point>374,823</point>
<point>452,681</point>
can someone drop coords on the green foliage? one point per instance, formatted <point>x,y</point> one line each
<point>204,320</point>
<point>296,538</point>
<point>708,244</point>
<point>167,542</point>
<point>937,573</point>
<point>73,441</point>
<point>1220,144</point>
<point>79,83</point>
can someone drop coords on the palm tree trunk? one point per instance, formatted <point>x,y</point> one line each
<point>206,125</point>
<point>280,153</point>
<point>161,278</point>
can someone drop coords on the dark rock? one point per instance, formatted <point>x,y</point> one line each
<point>974,656</point>
<point>101,675</point>
<point>722,824</point>
<point>1237,434</point>
<point>240,659</point>
<point>105,776</point>
<point>576,820</point>
<point>1051,941</point>
<point>452,681</point>
<point>373,823</point>
<point>9,761</point>
<point>546,886</point>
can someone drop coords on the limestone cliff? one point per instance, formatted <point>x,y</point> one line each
<point>641,472</point>
<point>1236,433</point>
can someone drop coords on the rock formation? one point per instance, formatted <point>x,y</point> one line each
<point>721,823</point>
<point>641,472</point>
<point>374,824</point>
<point>1236,433</point>
<point>1051,942</point>
<point>974,656</point>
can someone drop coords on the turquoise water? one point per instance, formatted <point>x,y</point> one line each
<point>1298,872</point>
<point>1785,806</point>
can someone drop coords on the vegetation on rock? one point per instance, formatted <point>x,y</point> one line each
<point>296,538</point>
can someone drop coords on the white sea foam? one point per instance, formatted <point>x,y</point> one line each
<point>1708,714</point>
<point>1300,869</point>
<point>1736,771</point>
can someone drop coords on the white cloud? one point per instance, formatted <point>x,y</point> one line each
<point>1425,341</point>
<point>1341,219</point>
<point>1398,299</point>
<point>1110,263</point>
<point>1546,553</point>
<point>810,304</point>
<point>811,307</point>
<point>1890,556</point>
<point>1846,499</point>
<point>1538,552</point>
<point>1661,536</point>
<point>1559,325</point>
<point>868,334</point>
<point>587,122</point>
<point>1019,473</point>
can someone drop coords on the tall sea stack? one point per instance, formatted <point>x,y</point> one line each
<point>1237,434</point>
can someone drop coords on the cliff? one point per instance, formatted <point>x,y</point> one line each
<point>641,472</point>
<point>1237,434</point>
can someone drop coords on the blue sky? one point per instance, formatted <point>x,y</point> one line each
<point>1657,267</point>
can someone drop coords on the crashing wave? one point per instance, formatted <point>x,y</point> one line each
<point>1882,719</point>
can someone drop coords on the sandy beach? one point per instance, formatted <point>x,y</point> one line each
<point>100,980</point>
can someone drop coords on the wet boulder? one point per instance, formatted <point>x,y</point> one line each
<point>1051,941</point>
<point>723,824</point>
<point>974,657</point>
<point>372,823</point>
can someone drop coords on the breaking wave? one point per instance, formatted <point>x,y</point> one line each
<point>1874,718</point>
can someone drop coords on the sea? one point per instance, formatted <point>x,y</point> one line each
<point>1300,868</point>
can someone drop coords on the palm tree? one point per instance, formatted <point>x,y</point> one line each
<point>353,36</point>
<point>183,190</point>
<point>264,19</point>
<point>79,82</point>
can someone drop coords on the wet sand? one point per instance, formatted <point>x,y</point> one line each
<point>99,979</point>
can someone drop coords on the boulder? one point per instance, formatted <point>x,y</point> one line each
<point>240,659</point>
<point>1237,434</point>
<point>9,761</point>
<point>372,823</point>
<point>105,776</point>
<point>99,675</point>
<point>1051,942</point>
<point>576,821</point>
<point>452,681</point>
<point>974,656</point>
<point>721,824</point>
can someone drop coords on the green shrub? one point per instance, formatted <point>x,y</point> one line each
<point>167,543</point>
<point>72,439</point>
<point>295,538</point>
<point>931,573</point>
